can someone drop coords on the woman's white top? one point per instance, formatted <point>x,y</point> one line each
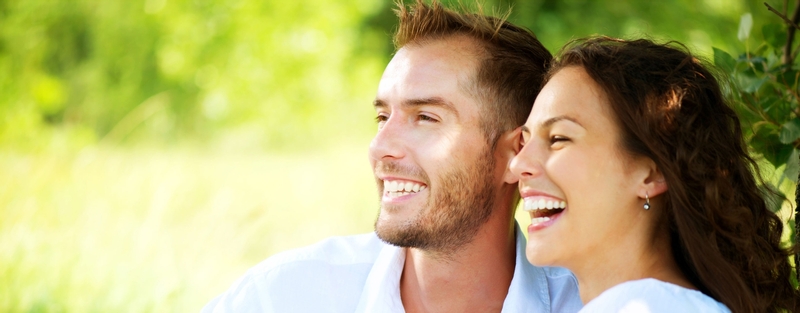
<point>652,296</point>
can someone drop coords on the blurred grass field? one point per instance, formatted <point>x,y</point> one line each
<point>108,230</point>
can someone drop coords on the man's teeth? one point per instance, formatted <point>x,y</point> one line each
<point>541,204</point>
<point>397,188</point>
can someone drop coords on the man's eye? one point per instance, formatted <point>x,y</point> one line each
<point>423,117</point>
<point>381,118</point>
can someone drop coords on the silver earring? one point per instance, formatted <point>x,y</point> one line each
<point>646,201</point>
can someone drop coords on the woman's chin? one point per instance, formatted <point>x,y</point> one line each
<point>540,257</point>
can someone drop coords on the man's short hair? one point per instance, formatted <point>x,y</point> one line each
<point>511,70</point>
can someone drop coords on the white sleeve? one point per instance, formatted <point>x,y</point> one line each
<point>243,296</point>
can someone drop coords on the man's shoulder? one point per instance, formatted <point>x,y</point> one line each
<point>289,280</point>
<point>333,251</point>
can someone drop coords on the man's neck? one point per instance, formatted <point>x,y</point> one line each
<point>475,278</point>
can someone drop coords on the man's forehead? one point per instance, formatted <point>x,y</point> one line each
<point>461,50</point>
<point>433,70</point>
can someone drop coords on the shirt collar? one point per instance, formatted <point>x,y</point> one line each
<point>382,288</point>
<point>528,291</point>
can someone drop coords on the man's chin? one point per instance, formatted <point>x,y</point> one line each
<point>389,232</point>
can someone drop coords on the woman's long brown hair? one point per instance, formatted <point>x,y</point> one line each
<point>670,109</point>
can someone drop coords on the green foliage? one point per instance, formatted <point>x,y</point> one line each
<point>767,99</point>
<point>247,74</point>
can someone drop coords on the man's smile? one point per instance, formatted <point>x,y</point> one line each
<point>398,188</point>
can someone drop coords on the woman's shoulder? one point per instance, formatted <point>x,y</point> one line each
<point>652,295</point>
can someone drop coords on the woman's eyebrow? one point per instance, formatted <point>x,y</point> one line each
<point>550,121</point>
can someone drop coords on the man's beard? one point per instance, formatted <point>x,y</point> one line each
<point>462,202</point>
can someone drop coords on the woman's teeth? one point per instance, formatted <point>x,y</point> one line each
<point>541,204</point>
<point>539,220</point>
<point>396,188</point>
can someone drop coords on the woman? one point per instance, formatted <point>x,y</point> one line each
<point>637,179</point>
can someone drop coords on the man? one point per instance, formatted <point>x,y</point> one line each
<point>448,109</point>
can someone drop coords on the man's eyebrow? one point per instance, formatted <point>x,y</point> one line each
<point>432,101</point>
<point>435,101</point>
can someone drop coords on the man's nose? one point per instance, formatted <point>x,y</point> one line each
<point>389,143</point>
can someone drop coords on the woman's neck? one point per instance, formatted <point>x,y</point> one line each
<point>626,262</point>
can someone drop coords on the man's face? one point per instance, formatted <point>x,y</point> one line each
<point>432,163</point>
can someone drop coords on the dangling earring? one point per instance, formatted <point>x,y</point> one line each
<point>646,201</point>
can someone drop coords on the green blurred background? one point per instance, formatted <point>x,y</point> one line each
<point>153,150</point>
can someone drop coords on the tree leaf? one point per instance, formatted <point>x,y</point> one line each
<point>774,35</point>
<point>745,25</point>
<point>751,84</point>
<point>792,166</point>
<point>759,64</point>
<point>788,78</point>
<point>793,240</point>
<point>790,131</point>
<point>762,49</point>
<point>724,60</point>
<point>765,141</point>
<point>773,197</point>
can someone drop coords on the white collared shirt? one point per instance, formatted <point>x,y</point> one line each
<point>653,296</point>
<point>362,274</point>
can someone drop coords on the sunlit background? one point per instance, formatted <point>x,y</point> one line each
<point>153,150</point>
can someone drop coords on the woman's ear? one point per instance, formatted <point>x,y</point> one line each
<point>654,183</point>
<point>508,145</point>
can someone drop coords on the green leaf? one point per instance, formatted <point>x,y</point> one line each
<point>766,142</point>
<point>750,84</point>
<point>774,62</point>
<point>775,106</point>
<point>774,35</point>
<point>758,64</point>
<point>745,25</point>
<point>773,197</point>
<point>790,131</point>
<point>788,78</point>
<point>792,166</point>
<point>724,60</point>
<point>767,101</point>
<point>762,50</point>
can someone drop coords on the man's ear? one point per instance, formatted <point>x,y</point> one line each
<point>653,183</point>
<point>508,145</point>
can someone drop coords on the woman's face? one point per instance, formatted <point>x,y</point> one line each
<point>579,187</point>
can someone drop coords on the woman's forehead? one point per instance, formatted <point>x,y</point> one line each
<point>572,93</point>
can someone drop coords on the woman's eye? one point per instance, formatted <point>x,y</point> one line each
<point>556,139</point>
